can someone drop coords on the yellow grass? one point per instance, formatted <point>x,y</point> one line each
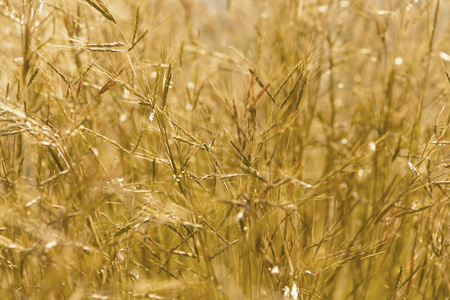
<point>200,149</point>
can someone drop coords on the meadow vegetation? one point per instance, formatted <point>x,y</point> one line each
<point>182,149</point>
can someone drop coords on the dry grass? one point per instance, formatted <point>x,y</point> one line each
<point>224,150</point>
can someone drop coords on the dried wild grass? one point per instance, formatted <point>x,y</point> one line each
<point>241,150</point>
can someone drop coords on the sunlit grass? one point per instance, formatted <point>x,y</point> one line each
<point>224,149</point>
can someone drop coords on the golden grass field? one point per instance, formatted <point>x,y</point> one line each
<point>199,149</point>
